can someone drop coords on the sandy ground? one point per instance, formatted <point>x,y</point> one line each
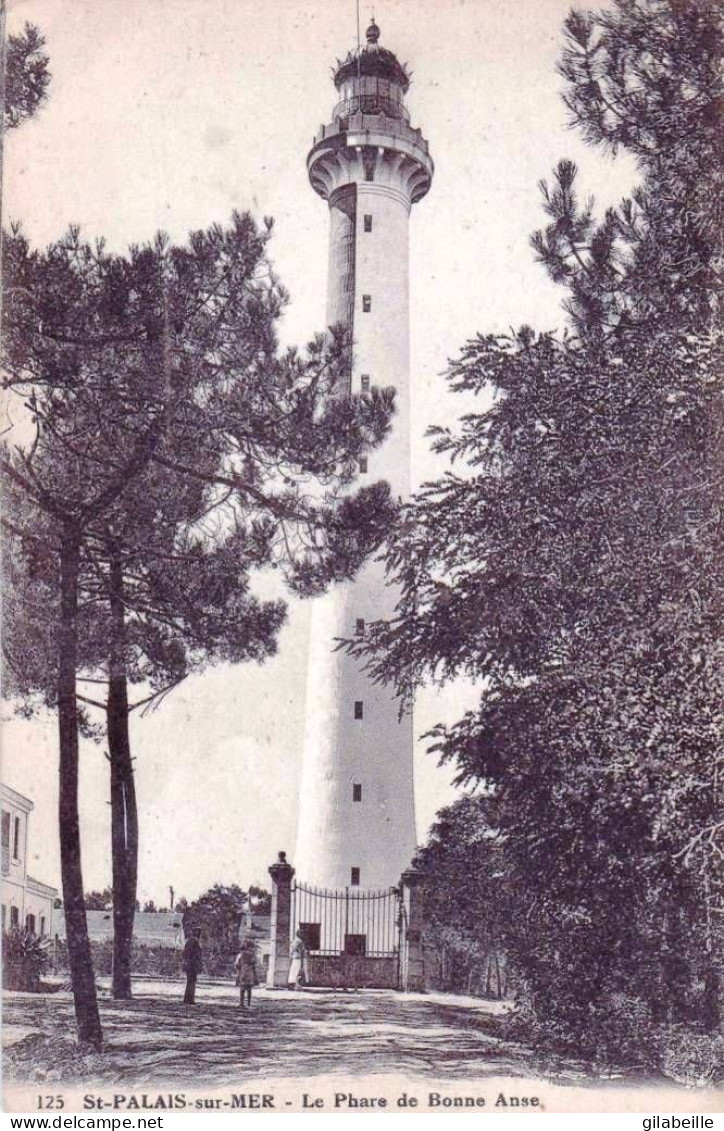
<point>295,1043</point>
<point>155,1037</point>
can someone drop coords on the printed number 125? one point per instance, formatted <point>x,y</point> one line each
<point>45,1103</point>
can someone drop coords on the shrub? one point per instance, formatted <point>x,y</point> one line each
<point>25,957</point>
<point>689,1056</point>
<point>617,1032</point>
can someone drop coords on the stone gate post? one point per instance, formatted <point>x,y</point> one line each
<point>281,920</point>
<point>414,966</point>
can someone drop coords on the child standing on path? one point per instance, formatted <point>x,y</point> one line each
<point>246,971</point>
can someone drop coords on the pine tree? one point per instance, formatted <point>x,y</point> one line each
<point>26,75</point>
<point>158,396</point>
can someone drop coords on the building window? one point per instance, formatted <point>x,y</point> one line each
<point>366,304</point>
<point>16,840</point>
<point>30,924</point>
<point>363,465</point>
<point>42,924</point>
<point>358,709</point>
<point>365,382</point>
<point>354,878</point>
<point>311,935</point>
<point>368,223</point>
<point>356,791</point>
<point>5,842</point>
<point>355,944</point>
<point>359,626</point>
<point>14,917</point>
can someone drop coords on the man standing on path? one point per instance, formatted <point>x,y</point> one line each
<point>193,964</point>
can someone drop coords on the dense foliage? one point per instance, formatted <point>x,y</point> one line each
<point>571,560</point>
<point>99,900</point>
<point>217,913</point>
<point>464,900</point>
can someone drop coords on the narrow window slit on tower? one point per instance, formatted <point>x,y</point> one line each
<point>356,791</point>
<point>366,304</point>
<point>358,709</point>
<point>365,381</point>
<point>359,626</point>
<point>354,877</point>
<point>368,223</point>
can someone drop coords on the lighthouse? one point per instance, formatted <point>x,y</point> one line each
<point>356,812</point>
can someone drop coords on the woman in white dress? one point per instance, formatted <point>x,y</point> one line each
<point>298,964</point>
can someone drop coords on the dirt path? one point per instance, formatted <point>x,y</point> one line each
<point>155,1038</point>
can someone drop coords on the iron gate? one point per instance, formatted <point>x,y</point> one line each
<point>353,936</point>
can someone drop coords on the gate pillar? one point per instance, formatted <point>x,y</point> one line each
<point>281,920</point>
<point>413,969</point>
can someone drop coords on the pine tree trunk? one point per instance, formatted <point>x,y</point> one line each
<point>76,925</point>
<point>124,840</point>
<point>124,813</point>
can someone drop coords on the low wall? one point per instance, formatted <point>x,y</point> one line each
<point>339,970</point>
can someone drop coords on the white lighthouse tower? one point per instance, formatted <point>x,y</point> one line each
<point>356,817</point>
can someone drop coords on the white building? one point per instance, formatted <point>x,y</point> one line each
<point>26,902</point>
<point>357,821</point>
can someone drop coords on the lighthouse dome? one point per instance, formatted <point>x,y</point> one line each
<point>374,61</point>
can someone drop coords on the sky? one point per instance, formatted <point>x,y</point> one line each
<point>169,114</point>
